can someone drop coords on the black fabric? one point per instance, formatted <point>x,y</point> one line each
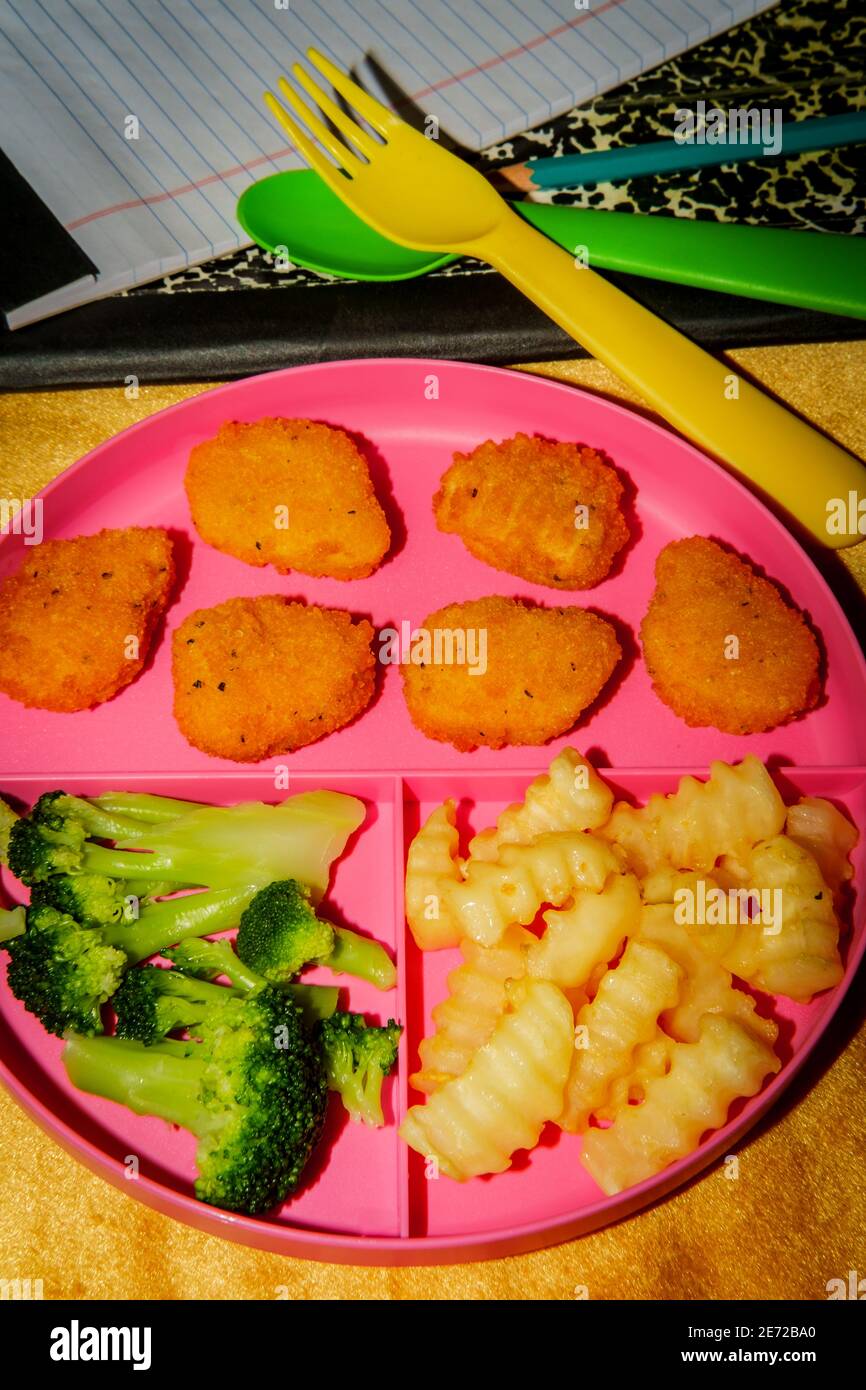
<point>39,255</point>
<point>477,319</point>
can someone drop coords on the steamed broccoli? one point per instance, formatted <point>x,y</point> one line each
<point>280,933</point>
<point>151,1002</point>
<point>53,837</point>
<point>252,1090</point>
<point>358,1056</point>
<point>214,845</point>
<point>209,959</point>
<point>39,846</point>
<point>92,899</point>
<point>217,846</point>
<point>64,972</point>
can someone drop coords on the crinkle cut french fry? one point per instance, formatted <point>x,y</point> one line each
<point>623,1014</point>
<point>796,954</point>
<point>511,1088</point>
<point>704,1079</point>
<point>569,796</point>
<point>707,987</point>
<point>650,1059</point>
<point>664,884</point>
<point>701,821</point>
<point>524,877</point>
<point>431,862</point>
<point>587,933</point>
<point>816,825</point>
<point>476,999</point>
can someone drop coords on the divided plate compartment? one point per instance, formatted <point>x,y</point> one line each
<point>366,1199</point>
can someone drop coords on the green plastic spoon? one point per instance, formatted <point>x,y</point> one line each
<point>295,213</point>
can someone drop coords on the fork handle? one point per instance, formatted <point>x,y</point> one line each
<point>807,473</point>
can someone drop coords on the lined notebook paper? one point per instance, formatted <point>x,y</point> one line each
<point>140,122</point>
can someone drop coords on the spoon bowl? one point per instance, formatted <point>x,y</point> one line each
<point>296,213</point>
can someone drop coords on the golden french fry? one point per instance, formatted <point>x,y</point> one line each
<point>587,934</point>
<point>569,796</point>
<point>691,828</point>
<point>816,825</point>
<point>623,1014</point>
<point>432,861</point>
<point>792,946</point>
<point>704,1079</point>
<point>522,878</point>
<point>467,1015</point>
<point>512,1086</point>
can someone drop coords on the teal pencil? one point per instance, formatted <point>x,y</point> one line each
<point>668,156</point>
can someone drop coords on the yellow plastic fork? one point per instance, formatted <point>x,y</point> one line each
<point>410,189</point>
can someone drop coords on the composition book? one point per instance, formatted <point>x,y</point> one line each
<point>138,123</point>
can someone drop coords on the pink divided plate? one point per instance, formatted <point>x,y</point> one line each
<point>366,1200</point>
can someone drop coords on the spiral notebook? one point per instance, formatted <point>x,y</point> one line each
<point>138,125</point>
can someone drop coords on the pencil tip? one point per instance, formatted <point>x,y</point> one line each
<point>514,177</point>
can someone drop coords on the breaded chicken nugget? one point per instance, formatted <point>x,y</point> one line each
<point>256,676</point>
<point>525,676</point>
<point>550,513</point>
<point>289,493</point>
<point>722,646</point>
<point>78,616</point>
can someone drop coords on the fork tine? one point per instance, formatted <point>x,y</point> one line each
<point>377,115</point>
<point>344,123</point>
<point>311,152</point>
<point>343,154</point>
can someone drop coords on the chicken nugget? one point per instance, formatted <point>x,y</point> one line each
<point>78,616</point>
<point>722,646</point>
<point>289,493</point>
<point>550,513</point>
<point>257,676</point>
<point>496,671</point>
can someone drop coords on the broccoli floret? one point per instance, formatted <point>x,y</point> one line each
<point>217,846</point>
<point>63,972</point>
<point>358,1057</point>
<point>53,838</point>
<point>151,1002</point>
<point>252,1090</point>
<point>91,899</point>
<point>40,845</point>
<point>280,933</point>
<point>209,959</point>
